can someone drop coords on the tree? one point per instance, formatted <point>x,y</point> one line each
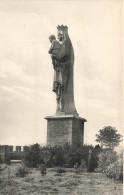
<point>108,137</point>
<point>32,156</point>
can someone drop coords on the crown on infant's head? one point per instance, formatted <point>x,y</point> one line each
<point>62,28</point>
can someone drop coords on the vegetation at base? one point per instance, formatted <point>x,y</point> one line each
<point>22,171</point>
<point>1,160</point>
<point>32,156</point>
<point>103,158</point>
<point>42,169</point>
<point>108,161</point>
<point>63,156</point>
<point>110,164</point>
<point>106,157</point>
<point>55,182</point>
<point>60,170</point>
<point>115,171</point>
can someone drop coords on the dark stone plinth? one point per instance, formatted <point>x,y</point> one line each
<point>65,129</point>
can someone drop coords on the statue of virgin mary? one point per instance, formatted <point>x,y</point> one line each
<point>65,89</point>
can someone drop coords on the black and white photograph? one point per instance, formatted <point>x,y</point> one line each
<point>61,97</point>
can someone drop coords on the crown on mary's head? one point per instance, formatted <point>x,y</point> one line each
<point>62,28</point>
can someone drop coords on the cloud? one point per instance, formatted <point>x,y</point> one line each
<point>15,93</point>
<point>9,68</point>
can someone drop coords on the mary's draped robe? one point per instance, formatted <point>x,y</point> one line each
<point>66,57</point>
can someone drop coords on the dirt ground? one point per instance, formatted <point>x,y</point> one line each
<point>55,183</point>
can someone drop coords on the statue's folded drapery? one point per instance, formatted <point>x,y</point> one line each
<point>66,57</point>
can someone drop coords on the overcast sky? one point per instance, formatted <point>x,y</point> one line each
<point>26,71</point>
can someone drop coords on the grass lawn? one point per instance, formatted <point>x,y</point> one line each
<point>57,183</point>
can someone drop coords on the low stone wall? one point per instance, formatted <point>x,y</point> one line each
<point>7,152</point>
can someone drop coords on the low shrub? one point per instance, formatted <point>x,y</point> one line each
<point>60,170</point>
<point>1,160</point>
<point>32,156</point>
<point>111,164</point>
<point>92,163</point>
<point>106,158</point>
<point>22,171</point>
<point>70,182</point>
<point>80,168</point>
<point>115,171</point>
<point>76,154</point>
<point>42,169</point>
<point>62,156</point>
<point>3,167</point>
<point>76,167</point>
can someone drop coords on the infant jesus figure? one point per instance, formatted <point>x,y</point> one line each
<point>54,50</point>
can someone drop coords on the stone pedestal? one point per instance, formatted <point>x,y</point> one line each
<point>65,129</point>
